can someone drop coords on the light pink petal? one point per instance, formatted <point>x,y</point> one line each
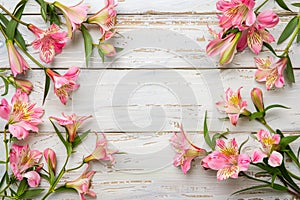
<point>258,156</point>
<point>216,161</point>
<point>17,131</point>
<point>275,159</point>
<point>243,162</point>
<point>33,178</point>
<point>255,41</point>
<point>276,138</point>
<point>250,19</point>
<point>228,172</point>
<point>5,109</point>
<point>233,118</point>
<point>261,75</point>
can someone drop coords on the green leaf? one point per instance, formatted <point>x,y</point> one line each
<point>18,35</point>
<point>282,4</point>
<point>241,146</point>
<point>12,192</point>
<point>101,54</point>
<point>2,162</point>
<point>47,86</point>
<point>44,176</point>
<point>256,115</point>
<point>298,36</point>
<point>53,16</point>
<point>287,140</point>
<point>79,138</point>
<point>288,30</point>
<point>31,193</point>
<point>58,133</point>
<point>287,177</point>
<point>296,4</point>
<point>206,134</point>
<point>288,150</point>
<point>217,136</point>
<point>6,84</point>
<point>22,187</point>
<point>270,48</point>
<point>12,24</point>
<point>88,44</point>
<point>275,106</point>
<point>63,188</point>
<point>51,175</point>
<point>289,70</point>
<point>4,177</point>
<point>252,188</point>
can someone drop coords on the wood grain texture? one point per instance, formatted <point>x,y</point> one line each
<point>142,7</point>
<point>173,41</point>
<point>161,77</point>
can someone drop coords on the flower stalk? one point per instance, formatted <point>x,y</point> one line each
<point>12,16</point>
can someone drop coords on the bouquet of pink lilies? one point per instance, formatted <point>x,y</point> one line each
<point>242,25</point>
<point>24,167</point>
<point>231,160</point>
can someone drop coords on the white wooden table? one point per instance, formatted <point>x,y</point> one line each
<point>162,76</point>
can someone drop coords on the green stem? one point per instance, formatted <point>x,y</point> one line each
<point>261,5</point>
<point>72,169</point>
<point>263,122</point>
<point>29,56</point>
<point>6,149</point>
<point>12,16</point>
<point>295,33</point>
<point>60,175</point>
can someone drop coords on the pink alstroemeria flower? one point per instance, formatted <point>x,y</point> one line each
<point>101,152</point>
<point>226,160</point>
<point>82,184</point>
<point>71,123</point>
<point>236,13</point>
<point>22,160</point>
<point>186,152</point>
<point>226,47</point>
<point>233,105</point>
<point>74,15</point>
<point>22,116</point>
<point>269,72</point>
<point>106,17</point>
<point>257,34</point>
<point>49,42</point>
<point>64,85</point>
<point>268,142</point>
<point>18,64</point>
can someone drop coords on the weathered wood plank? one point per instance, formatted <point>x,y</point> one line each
<point>173,41</point>
<point>152,100</point>
<point>146,171</point>
<point>144,7</point>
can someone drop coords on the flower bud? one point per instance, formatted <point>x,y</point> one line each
<point>257,99</point>
<point>24,85</point>
<point>267,19</point>
<point>50,157</point>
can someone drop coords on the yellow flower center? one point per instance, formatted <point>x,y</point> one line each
<point>234,100</point>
